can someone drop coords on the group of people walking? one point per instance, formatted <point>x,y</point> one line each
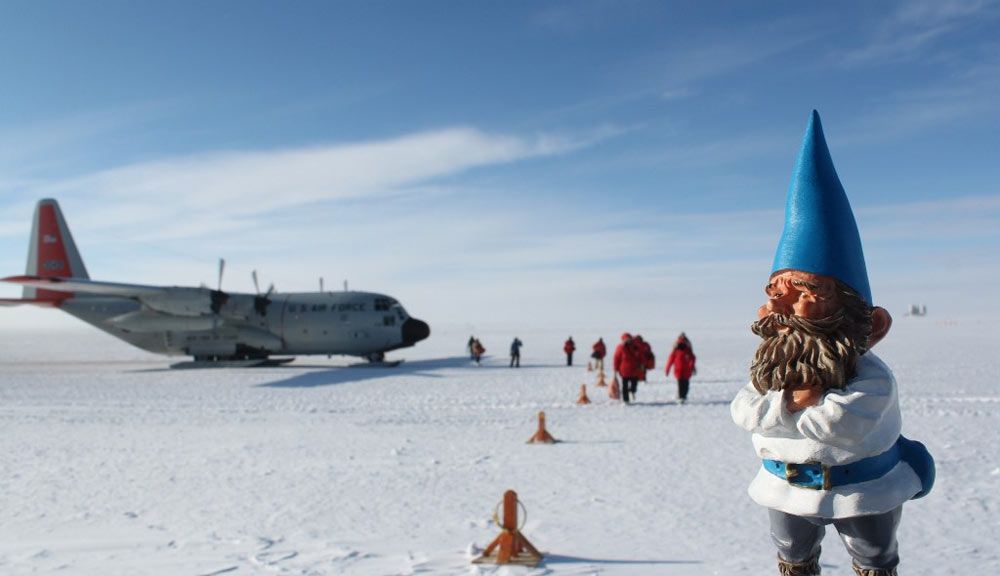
<point>633,359</point>
<point>515,351</point>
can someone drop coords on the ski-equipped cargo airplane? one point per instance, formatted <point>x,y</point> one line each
<point>217,328</point>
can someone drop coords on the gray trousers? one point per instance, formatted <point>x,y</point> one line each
<point>870,540</point>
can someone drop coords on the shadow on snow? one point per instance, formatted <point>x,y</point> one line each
<point>328,376</point>
<point>559,559</point>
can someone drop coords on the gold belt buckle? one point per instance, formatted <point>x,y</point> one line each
<point>791,471</point>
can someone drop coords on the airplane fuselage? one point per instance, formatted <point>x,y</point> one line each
<point>347,323</point>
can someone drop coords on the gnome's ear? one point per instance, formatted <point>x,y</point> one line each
<point>881,322</point>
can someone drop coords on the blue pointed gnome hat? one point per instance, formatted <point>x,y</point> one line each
<point>820,234</point>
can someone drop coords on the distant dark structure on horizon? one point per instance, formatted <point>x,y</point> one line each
<point>917,310</point>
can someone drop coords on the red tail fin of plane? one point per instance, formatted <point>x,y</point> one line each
<point>52,253</point>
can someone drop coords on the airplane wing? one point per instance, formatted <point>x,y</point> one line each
<point>176,300</point>
<point>35,301</point>
<point>87,286</point>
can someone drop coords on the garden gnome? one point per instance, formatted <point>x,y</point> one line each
<point>823,410</point>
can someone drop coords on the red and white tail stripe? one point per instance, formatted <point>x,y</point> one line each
<point>52,252</point>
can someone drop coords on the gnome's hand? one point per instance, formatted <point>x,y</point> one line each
<point>802,397</point>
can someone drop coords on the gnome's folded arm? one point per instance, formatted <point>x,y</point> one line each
<point>857,420</point>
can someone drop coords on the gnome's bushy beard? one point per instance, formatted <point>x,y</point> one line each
<point>810,352</point>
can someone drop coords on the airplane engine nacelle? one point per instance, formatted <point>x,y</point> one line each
<point>181,302</point>
<point>260,339</point>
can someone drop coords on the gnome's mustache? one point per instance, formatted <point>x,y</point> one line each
<point>772,324</point>
<point>799,351</point>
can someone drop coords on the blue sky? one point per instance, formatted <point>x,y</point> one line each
<point>551,163</point>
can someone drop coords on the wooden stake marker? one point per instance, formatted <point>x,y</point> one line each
<point>583,395</point>
<point>542,436</point>
<point>510,546</point>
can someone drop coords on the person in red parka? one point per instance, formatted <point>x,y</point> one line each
<point>600,351</point>
<point>616,360</point>
<point>682,360</point>
<point>629,364</point>
<point>646,359</point>
<point>569,347</point>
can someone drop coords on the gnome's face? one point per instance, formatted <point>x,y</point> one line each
<point>803,294</point>
<point>813,333</point>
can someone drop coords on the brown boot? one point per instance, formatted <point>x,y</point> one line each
<point>808,568</point>
<point>874,571</point>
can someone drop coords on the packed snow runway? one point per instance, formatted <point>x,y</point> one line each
<point>112,464</point>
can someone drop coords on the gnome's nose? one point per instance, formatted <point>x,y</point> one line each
<point>779,303</point>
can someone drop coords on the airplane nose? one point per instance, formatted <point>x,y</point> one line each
<point>414,331</point>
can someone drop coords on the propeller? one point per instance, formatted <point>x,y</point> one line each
<point>261,302</point>
<point>218,297</point>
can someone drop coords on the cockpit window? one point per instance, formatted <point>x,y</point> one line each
<point>400,312</point>
<point>382,304</point>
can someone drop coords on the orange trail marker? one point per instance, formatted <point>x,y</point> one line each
<point>510,546</point>
<point>600,380</point>
<point>614,392</point>
<point>542,436</point>
<point>583,395</point>
<point>590,367</point>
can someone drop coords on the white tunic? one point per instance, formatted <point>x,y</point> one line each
<point>845,426</point>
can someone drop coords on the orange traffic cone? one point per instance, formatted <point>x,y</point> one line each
<point>510,546</point>
<point>583,395</point>
<point>542,436</point>
<point>590,366</point>
<point>614,392</point>
<point>600,380</point>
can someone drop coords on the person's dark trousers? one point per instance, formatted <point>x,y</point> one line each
<point>515,361</point>
<point>682,388</point>
<point>635,388</point>
<point>628,389</point>
<point>569,358</point>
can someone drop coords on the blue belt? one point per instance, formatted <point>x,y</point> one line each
<point>818,476</point>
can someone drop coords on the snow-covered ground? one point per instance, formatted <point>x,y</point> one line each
<point>111,464</point>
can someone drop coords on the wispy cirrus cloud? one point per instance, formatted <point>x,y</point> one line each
<point>205,193</point>
<point>680,71</point>
<point>959,221</point>
<point>677,93</point>
<point>35,150</point>
<point>908,114</point>
<point>584,15</point>
<point>915,27</point>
